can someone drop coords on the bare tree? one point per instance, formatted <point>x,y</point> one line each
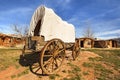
<point>88,33</point>
<point>20,30</point>
<point>25,31</point>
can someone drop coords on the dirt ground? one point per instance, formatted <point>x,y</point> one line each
<point>11,73</point>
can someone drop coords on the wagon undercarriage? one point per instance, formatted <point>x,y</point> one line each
<point>51,53</point>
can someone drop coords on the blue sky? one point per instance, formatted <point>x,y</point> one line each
<point>103,16</point>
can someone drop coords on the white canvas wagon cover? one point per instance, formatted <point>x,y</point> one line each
<point>46,23</point>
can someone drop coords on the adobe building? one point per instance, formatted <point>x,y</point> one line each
<point>112,43</point>
<point>5,40</point>
<point>105,43</point>
<point>1,41</point>
<point>86,42</point>
<point>9,41</point>
<point>100,44</point>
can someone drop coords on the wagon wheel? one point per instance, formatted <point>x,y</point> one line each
<point>52,56</point>
<point>76,49</point>
<point>35,68</point>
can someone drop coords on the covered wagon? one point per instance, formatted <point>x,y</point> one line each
<point>51,37</point>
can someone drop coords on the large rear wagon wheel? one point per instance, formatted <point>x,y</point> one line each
<point>52,56</point>
<point>76,49</point>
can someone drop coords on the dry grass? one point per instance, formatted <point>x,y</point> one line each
<point>105,67</point>
<point>9,57</point>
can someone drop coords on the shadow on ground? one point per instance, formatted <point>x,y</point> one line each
<point>31,60</point>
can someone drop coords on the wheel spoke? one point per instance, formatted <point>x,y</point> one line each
<point>59,59</point>
<point>37,70</point>
<point>61,50</point>
<point>56,63</point>
<point>48,55</point>
<point>47,62</point>
<point>52,65</point>
<point>53,44</point>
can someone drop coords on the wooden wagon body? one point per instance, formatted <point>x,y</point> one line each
<point>51,37</point>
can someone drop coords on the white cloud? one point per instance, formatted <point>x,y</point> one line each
<point>105,13</point>
<point>5,29</point>
<point>108,33</point>
<point>109,37</point>
<point>103,26</point>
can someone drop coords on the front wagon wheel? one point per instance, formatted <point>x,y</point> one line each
<point>52,56</point>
